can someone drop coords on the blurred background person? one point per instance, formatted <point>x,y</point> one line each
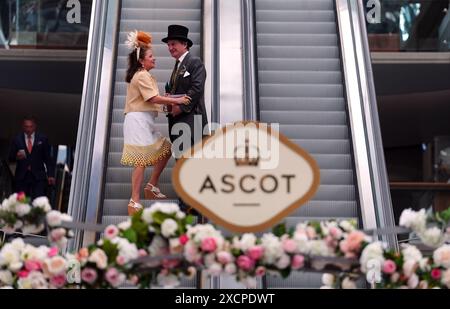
<point>30,151</point>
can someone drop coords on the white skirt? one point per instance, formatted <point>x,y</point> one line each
<point>144,145</point>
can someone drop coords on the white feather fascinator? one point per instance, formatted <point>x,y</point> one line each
<point>137,40</point>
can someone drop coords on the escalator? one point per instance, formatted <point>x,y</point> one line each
<point>154,17</point>
<point>301,79</point>
<point>301,87</point>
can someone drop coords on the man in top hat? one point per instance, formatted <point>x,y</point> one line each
<point>188,77</point>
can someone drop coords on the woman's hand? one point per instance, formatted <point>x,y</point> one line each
<point>183,100</point>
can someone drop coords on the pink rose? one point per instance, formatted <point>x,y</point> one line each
<point>389,267</point>
<point>57,235</point>
<point>260,271</point>
<point>120,260</point>
<point>354,240</point>
<point>23,274</point>
<point>142,253</point>
<point>111,232</point>
<point>89,275</point>
<point>289,245</point>
<point>224,257</point>
<point>32,265</point>
<point>21,197</point>
<point>436,274</point>
<point>53,252</point>
<point>183,239</point>
<point>58,281</point>
<point>209,244</point>
<point>255,252</point>
<point>335,232</point>
<point>114,277</point>
<point>298,261</point>
<point>245,263</point>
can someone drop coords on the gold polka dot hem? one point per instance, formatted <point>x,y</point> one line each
<point>143,156</point>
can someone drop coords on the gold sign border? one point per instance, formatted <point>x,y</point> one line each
<point>186,197</point>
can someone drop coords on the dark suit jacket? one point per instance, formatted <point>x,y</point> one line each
<point>36,162</point>
<point>194,86</point>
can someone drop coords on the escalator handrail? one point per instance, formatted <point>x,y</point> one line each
<point>371,176</point>
<point>93,127</point>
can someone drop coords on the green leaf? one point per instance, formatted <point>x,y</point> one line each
<point>189,220</point>
<point>159,217</point>
<point>285,272</point>
<point>131,235</point>
<point>279,230</point>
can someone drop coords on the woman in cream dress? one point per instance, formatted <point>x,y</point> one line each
<point>143,144</point>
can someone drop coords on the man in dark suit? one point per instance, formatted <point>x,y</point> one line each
<point>188,77</point>
<point>188,124</point>
<point>34,169</point>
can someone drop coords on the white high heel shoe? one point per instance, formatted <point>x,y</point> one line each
<point>134,207</point>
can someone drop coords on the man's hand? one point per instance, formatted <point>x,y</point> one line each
<point>176,110</point>
<point>21,155</point>
<point>51,181</point>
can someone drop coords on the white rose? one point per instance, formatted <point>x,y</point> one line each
<point>441,256</point>
<point>125,225</point>
<point>328,280</point>
<point>348,284</point>
<point>147,215</point>
<point>6,277</point>
<point>23,209</point>
<point>413,281</point>
<point>432,237</point>
<point>283,262</point>
<point>18,244</point>
<point>247,241</point>
<point>413,220</point>
<point>180,215</point>
<point>446,278</point>
<point>409,267</point>
<point>346,226</point>
<point>99,257</point>
<point>319,247</point>
<point>410,252</point>
<point>8,255</point>
<point>42,202</point>
<point>54,218</point>
<point>372,252</point>
<point>15,267</point>
<point>169,227</point>
<point>424,265</point>
<point>272,248</point>
<point>37,280</point>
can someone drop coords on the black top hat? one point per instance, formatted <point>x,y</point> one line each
<point>178,32</point>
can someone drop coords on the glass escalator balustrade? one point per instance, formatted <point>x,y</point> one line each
<point>411,26</point>
<point>46,23</point>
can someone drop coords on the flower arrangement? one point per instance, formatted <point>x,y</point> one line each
<point>159,245</point>
<point>17,215</point>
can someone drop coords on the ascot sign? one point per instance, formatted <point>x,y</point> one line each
<point>232,179</point>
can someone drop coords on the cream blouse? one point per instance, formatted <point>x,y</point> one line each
<point>142,88</point>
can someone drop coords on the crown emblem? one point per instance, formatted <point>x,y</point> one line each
<point>246,160</point>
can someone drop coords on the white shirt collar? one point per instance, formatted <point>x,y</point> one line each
<point>183,56</point>
<point>32,137</point>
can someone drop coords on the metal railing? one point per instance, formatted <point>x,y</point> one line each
<point>92,135</point>
<point>371,174</point>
